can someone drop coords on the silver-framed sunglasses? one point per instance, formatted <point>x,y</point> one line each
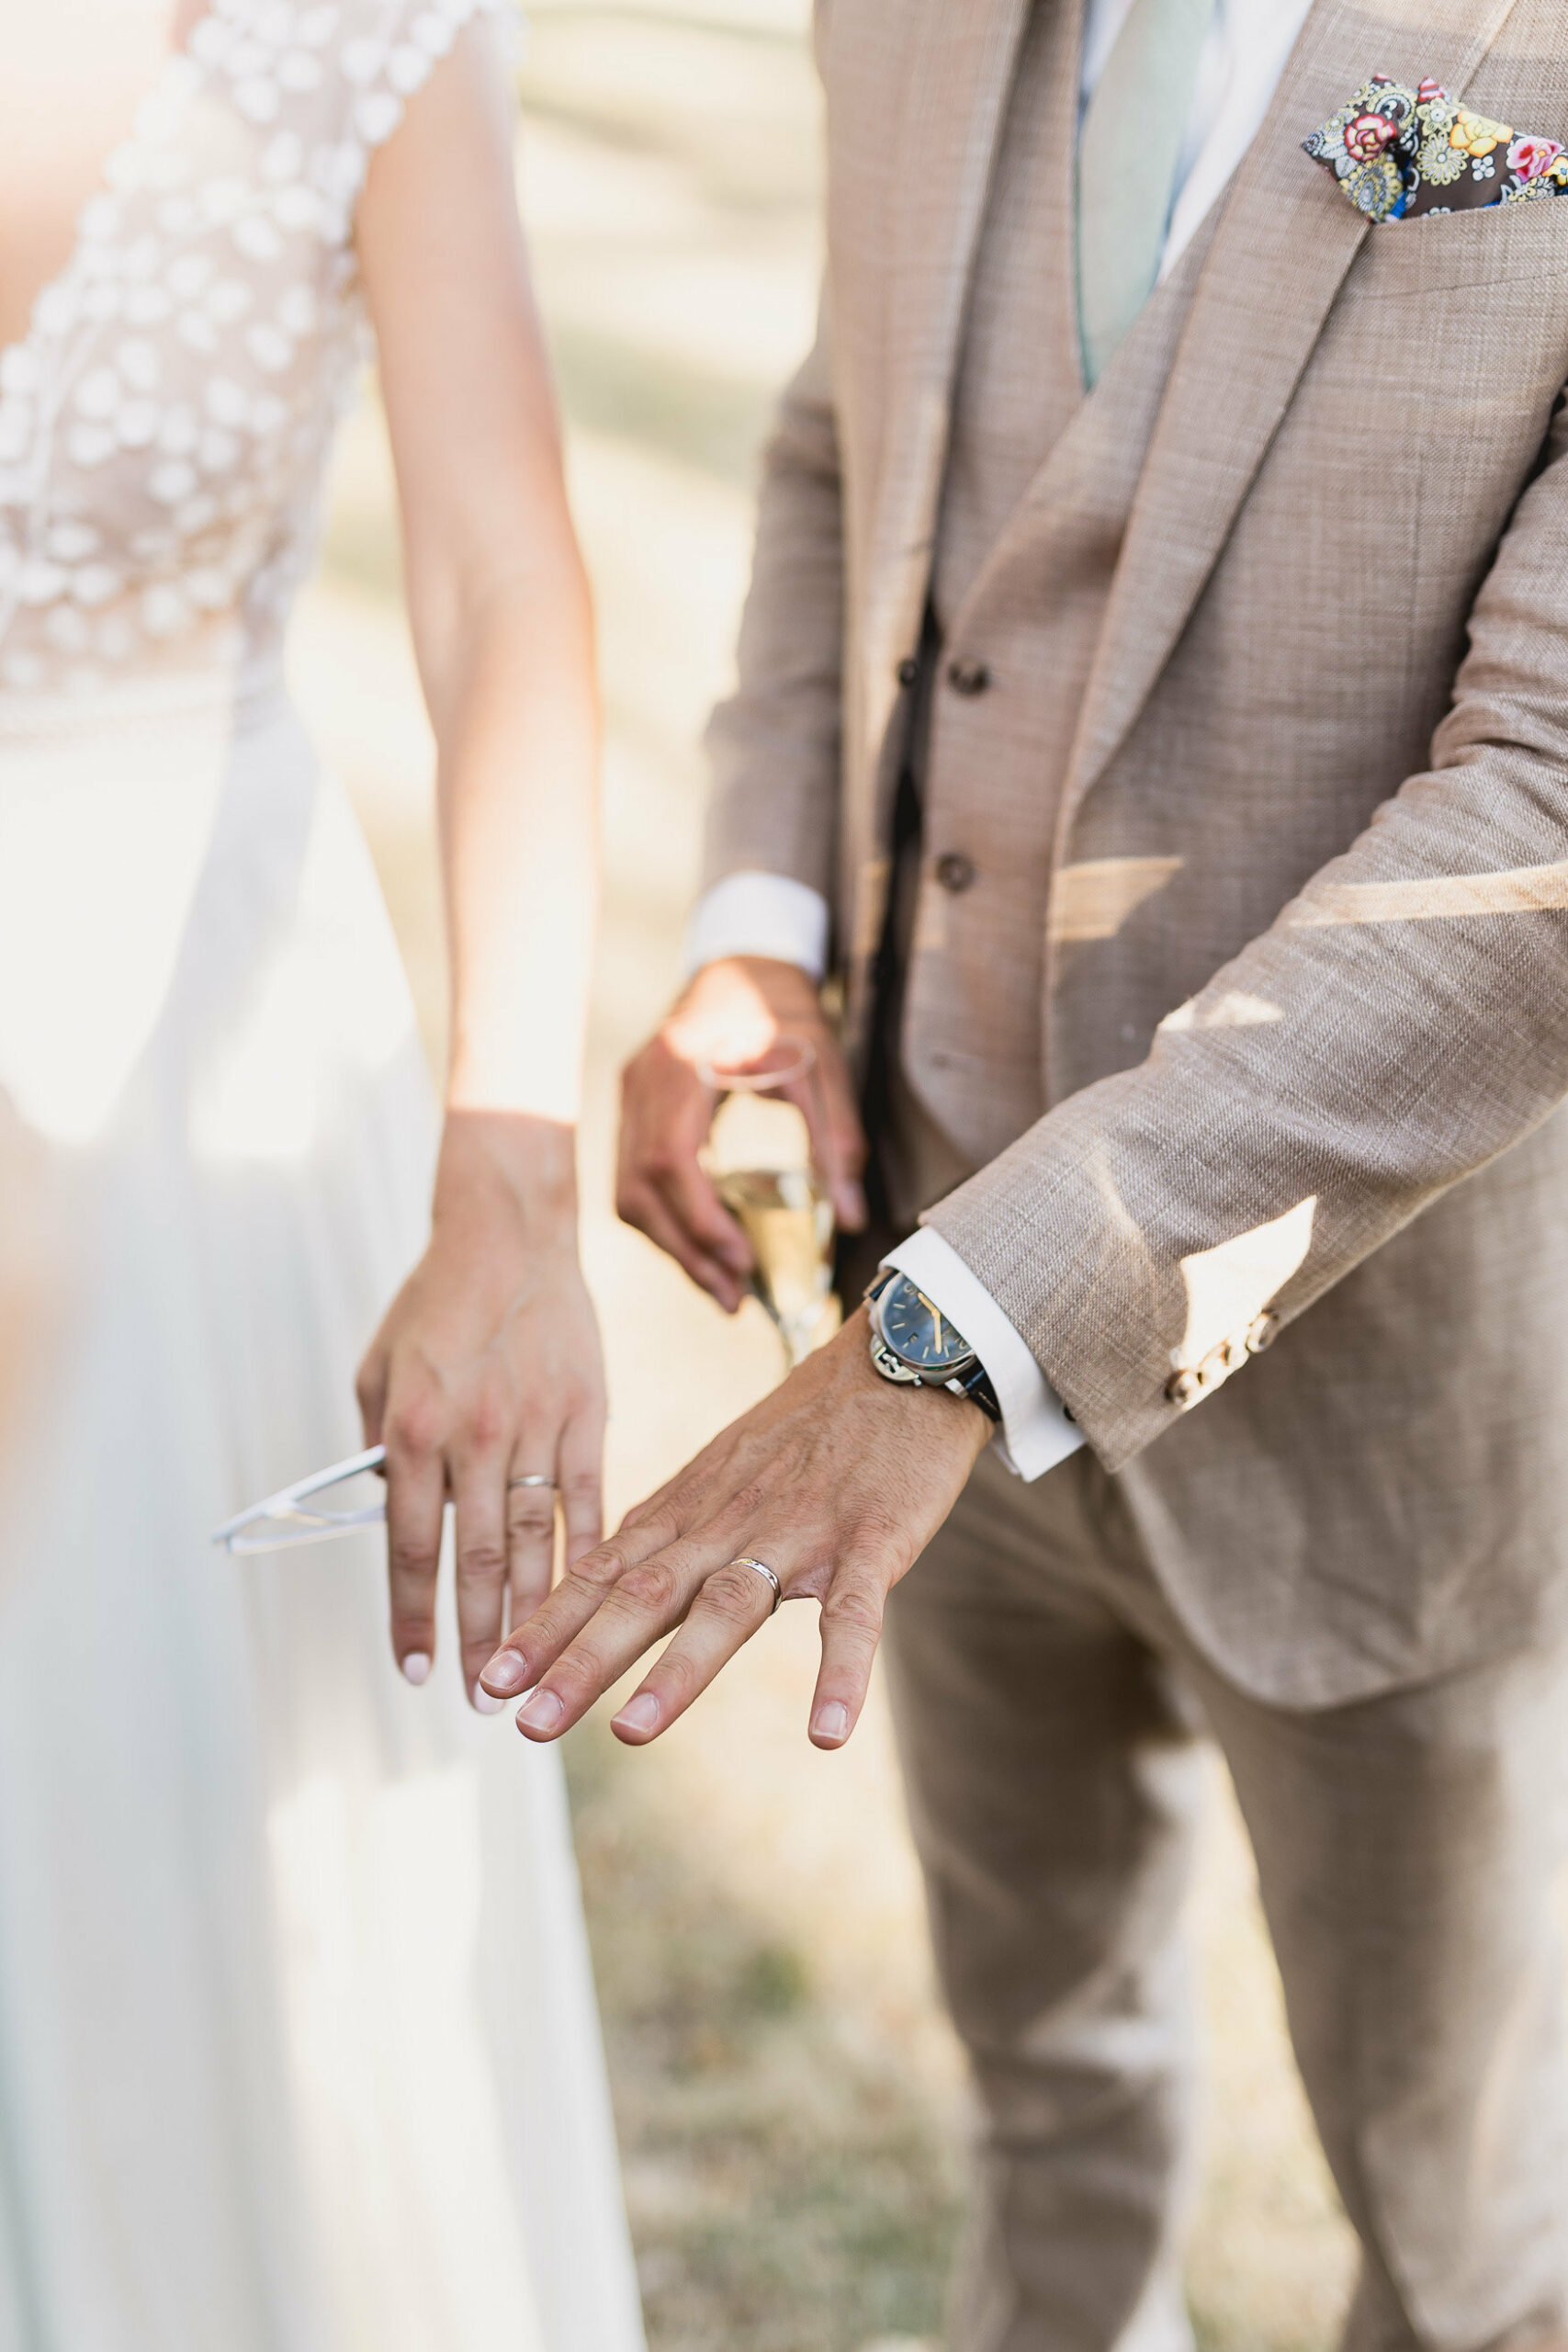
<point>290,1517</point>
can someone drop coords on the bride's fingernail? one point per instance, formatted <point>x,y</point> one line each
<point>505,1673</point>
<point>416,1668</point>
<point>484,1704</point>
<point>640,1713</point>
<point>832,1721</point>
<point>543,1713</point>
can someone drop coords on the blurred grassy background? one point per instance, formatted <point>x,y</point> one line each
<point>790,2103</point>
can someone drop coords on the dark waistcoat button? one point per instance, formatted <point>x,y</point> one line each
<point>968,677</point>
<point>954,871</point>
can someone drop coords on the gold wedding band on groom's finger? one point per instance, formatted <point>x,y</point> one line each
<point>745,1561</point>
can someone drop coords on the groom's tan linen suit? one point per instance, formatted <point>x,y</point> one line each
<point>1236,985</point>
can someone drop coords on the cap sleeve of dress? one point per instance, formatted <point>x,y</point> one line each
<point>384,51</point>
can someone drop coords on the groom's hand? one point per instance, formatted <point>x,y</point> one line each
<point>836,1481</point>
<point>730,1013</point>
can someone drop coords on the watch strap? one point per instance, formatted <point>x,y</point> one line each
<point>976,1386</point>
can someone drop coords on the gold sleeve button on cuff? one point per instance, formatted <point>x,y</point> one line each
<point>1192,1382</point>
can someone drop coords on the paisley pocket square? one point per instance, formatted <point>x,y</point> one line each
<point>1399,152</point>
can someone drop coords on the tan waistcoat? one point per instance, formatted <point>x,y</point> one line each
<point>974,994</point>
<point>1017,388</point>
<point>1017,381</point>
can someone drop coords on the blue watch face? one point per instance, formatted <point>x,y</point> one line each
<point>918,1331</point>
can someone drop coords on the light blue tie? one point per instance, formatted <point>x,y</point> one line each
<point>1129,152</point>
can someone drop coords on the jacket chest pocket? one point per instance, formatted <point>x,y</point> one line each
<point>1443,357</point>
<point>1498,252</point>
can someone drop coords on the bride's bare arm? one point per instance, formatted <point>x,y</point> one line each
<point>487,1367</point>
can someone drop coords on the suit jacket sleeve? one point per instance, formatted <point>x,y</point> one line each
<point>1419,985</point>
<point>773,745</point>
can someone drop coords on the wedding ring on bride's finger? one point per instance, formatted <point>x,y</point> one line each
<point>746,1561</point>
<point>532,1478</point>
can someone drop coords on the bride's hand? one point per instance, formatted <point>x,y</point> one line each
<point>488,1370</point>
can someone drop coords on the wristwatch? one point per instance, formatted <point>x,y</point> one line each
<point>914,1343</point>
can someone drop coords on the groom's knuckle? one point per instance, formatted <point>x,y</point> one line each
<point>679,1680</point>
<point>749,1498</point>
<point>874,1560</point>
<point>654,1523</point>
<point>877,1532</point>
<point>652,1587</point>
<point>601,1570</point>
<point>577,1677</point>
<point>855,1606</point>
<point>732,1593</point>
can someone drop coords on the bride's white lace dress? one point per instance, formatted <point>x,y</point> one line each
<point>298,2046</point>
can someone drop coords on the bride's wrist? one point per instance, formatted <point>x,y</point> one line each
<point>521,1164</point>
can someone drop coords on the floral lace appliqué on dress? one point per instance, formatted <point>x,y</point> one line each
<point>165,421</point>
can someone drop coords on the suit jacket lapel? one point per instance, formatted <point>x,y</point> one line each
<point>1083,492</point>
<point>958,70</point>
<point>1280,251</point>
<point>958,74</point>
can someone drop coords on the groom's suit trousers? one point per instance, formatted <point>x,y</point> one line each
<point>1047,1702</point>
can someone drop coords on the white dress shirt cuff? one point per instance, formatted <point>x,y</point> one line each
<point>754,913</point>
<point>1035,1433</point>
